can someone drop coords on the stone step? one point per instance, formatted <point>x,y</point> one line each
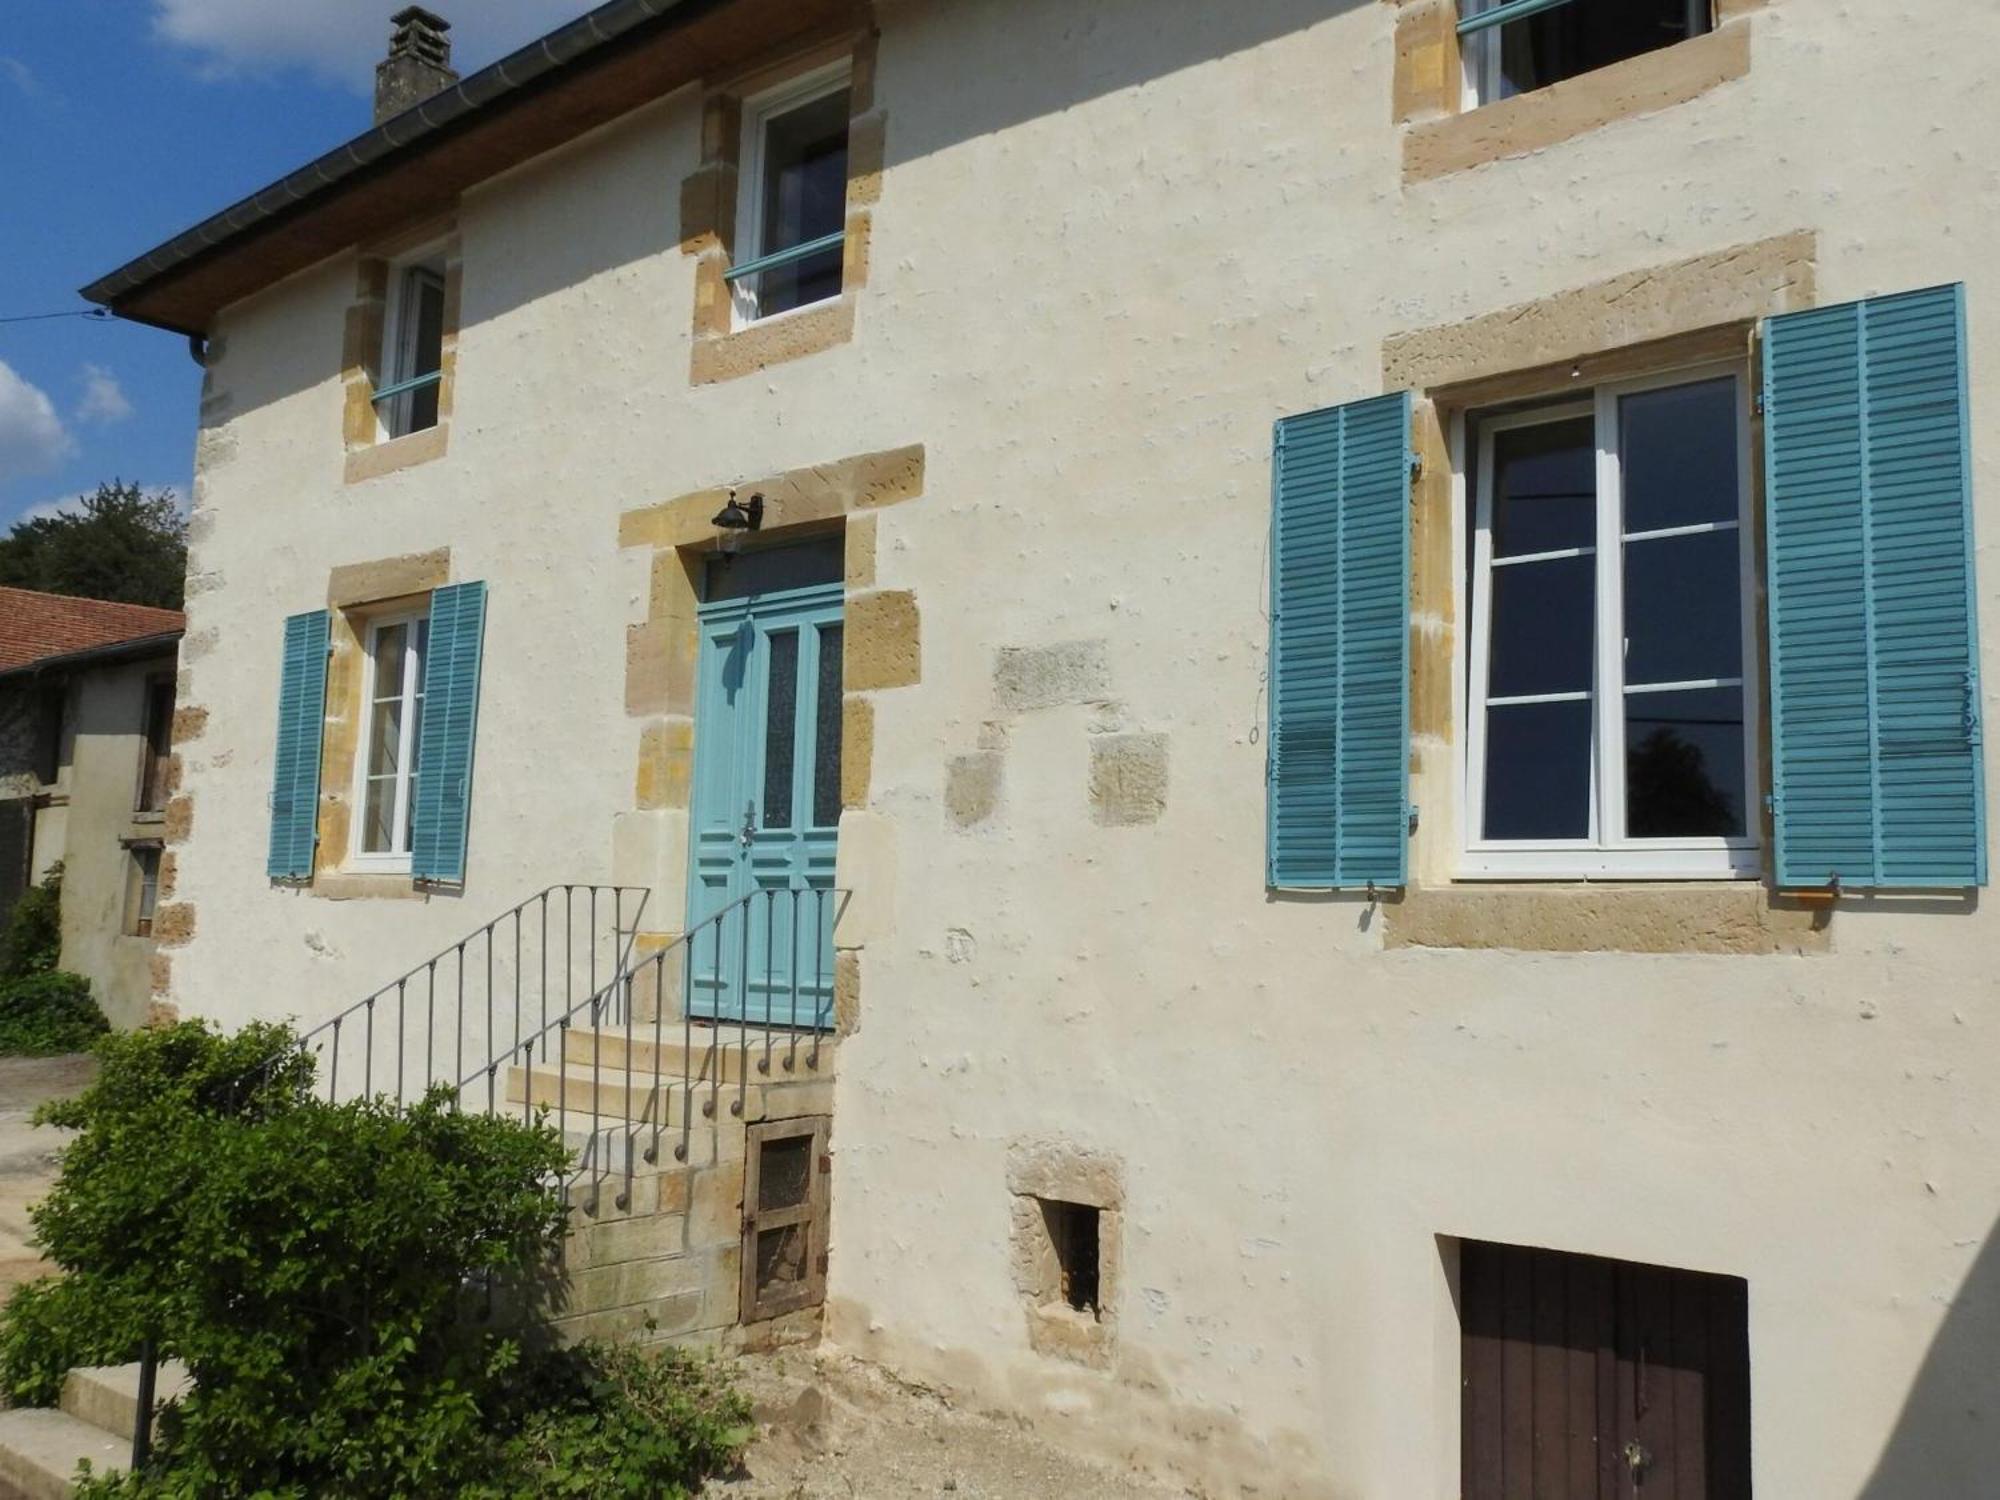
<point>40,1449</point>
<point>107,1396</point>
<point>576,1094</point>
<point>704,1056</point>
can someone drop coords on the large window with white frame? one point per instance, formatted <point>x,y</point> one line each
<point>1611,718</point>
<point>792,206</point>
<point>1515,46</point>
<point>406,400</point>
<point>393,707</point>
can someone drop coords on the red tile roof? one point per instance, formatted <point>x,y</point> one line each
<point>34,626</point>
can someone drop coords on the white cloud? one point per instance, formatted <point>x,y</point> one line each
<point>103,397</point>
<point>32,437</point>
<point>21,76</point>
<point>342,40</point>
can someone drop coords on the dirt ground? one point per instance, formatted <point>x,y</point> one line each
<point>831,1428</point>
<point>28,1155</point>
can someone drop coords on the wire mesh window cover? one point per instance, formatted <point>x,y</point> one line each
<point>1516,46</point>
<point>785,1199</point>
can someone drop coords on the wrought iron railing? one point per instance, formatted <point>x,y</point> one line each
<point>754,985</point>
<point>488,989</point>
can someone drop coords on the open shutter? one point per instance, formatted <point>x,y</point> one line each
<point>450,725</point>
<point>301,723</point>
<point>1340,647</point>
<point>1875,715</point>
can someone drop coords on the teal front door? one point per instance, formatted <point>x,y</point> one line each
<point>766,805</point>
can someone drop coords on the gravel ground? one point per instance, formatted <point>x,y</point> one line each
<point>831,1428</point>
<point>28,1153</point>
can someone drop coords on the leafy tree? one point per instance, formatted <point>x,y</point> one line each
<point>122,544</point>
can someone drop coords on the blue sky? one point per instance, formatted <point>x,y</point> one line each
<point>123,122</point>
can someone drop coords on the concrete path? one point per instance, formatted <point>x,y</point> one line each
<point>28,1153</point>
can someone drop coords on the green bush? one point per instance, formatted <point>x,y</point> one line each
<point>31,943</point>
<point>47,1014</point>
<point>326,1272</point>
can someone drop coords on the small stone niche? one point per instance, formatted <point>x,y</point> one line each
<point>1067,1217</point>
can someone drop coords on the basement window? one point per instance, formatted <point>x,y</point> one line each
<point>785,1182</point>
<point>1073,1237</point>
<point>1516,46</point>
<point>413,353</point>
<point>792,214</point>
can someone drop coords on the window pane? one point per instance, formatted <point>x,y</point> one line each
<point>1544,487</point>
<point>1678,455</point>
<point>377,817</point>
<point>781,712</point>
<point>1538,771</point>
<point>1543,620</point>
<point>1684,764</point>
<point>826,731</point>
<point>1575,38</point>
<point>1683,608</point>
<point>805,198</point>
<point>390,644</point>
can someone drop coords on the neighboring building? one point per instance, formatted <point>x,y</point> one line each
<point>1517,1017</point>
<point>86,771</point>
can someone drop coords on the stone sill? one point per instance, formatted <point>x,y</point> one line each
<point>1715,917</point>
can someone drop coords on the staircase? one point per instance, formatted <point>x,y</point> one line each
<point>40,1450</point>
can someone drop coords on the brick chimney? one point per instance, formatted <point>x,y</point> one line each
<point>418,64</point>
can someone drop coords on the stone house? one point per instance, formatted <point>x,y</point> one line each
<point>86,720</point>
<point>1255,729</point>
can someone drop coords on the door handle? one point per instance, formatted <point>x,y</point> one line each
<point>1638,1459</point>
<point>749,824</point>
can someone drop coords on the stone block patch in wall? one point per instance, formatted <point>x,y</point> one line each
<point>1031,677</point>
<point>972,787</point>
<point>1128,779</point>
<point>1067,1219</point>
<point>884,642</point>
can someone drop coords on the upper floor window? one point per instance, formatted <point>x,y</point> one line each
<point>157,752</point>
<point>1611,728</point>
<point>1513,46</point>
<point>792,211</point>
<point>392,720</point>
<point>413,353</point>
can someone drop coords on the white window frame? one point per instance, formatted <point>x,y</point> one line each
<point>759,110</point>
<point>399,331</point>
<point>1603,855</point>
<point>394,861</point>
<point>1481,62</point>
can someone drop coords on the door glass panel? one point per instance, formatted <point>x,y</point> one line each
<point>1544,487</point>
<point>1538,771</point>
<point>781,712</point>
<point>1678,455</point>
<point>826,731</point>
<point>766,570</point>
<point>1684,764</point>
<point>1683,608</point>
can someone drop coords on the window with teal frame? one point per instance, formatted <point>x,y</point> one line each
<point>1516,46</point>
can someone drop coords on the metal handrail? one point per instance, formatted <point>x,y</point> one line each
<point>615,1002</point>
<point>781,258</point>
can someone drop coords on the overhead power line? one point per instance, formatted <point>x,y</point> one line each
<point>95,314</point>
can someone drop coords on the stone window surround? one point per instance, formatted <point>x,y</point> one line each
<point>357,593</point>
<point>1441,135</point>
<point>1695,311</point>
<point>1039,1172</point>
<point>882,650</point>
<point>369,454</point>
<point>721,351</point>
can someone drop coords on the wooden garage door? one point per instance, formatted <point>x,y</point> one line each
<point>1591,1379</point>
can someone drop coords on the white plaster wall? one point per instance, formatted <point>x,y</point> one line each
<point>1117,239</point>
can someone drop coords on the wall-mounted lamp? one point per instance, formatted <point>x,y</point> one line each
<point>735,516</point>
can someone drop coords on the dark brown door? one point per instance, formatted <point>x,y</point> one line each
<point>17,851</point>
<point>1592,1379</point>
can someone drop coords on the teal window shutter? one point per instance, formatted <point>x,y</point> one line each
<point>1339,765</point>
<point>301,724</point>
<point>449,728</point>
<point>1877,773</point>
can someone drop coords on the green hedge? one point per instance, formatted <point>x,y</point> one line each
<point>45,1015</point>
<point>323,1270</point>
